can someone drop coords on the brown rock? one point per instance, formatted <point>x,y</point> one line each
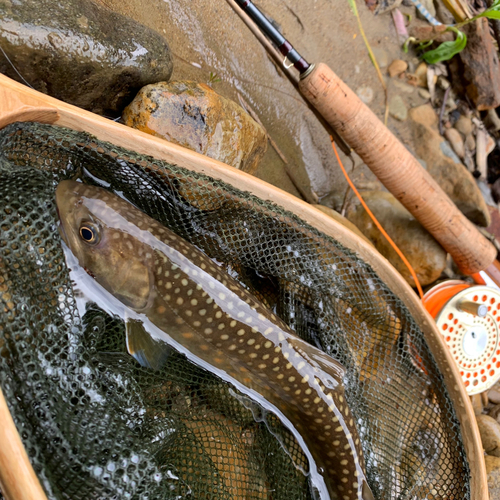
<point>489,429</point>
<point>482,69</point>
<point>424,253</point>
<point>456,181</point>
<point>464,125</point>
<point>421,75</point>
<point>455,139</point>
<point>397,67</point>
<point>194,116</point>
<point>493,471</point>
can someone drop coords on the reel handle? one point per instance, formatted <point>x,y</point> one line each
<point>397,169</point>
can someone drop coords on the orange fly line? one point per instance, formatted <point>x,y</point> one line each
<point>377,223</point>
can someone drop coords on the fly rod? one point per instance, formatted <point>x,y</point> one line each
<point>383,153</point>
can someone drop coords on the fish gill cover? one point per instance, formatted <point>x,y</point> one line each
<point>96,424</point>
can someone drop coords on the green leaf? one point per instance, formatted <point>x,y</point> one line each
<point>447,49</point>
<point>492,12</point>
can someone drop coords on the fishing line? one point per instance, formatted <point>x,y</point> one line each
<point>15,69</point>
<point>377,223</point>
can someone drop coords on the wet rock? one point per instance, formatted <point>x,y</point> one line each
<point>80,52</point>
<point>397,67</point>
<point>365,93</point>
<point>455,139</point>
<point>194,116</point>
<point>493,472</point>
<point>343,220</point>
<point>456,181</point>
<point>464,125</point>
<point>397,108</point>
<point>489,429</point>
<point>424,253</point>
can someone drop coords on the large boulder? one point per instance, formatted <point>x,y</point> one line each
<point>424,253</point>
<point>195,116</point>
<point>80,52</point>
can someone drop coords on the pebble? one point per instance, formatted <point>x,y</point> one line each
<point>470,142</point>
<point>455,139</point>
<point>464,125</point>
<point>397,67</point>
<point>365,93</point>
<point>450,153</point>
<point>397,108</point>
<point>489,429</point>
<point>193,115</point>
<point>421,74</point>
<point>424,93</point>
<point>424,253</point>
<point>494,396</point>
<point>456,181</point>
<point>409,89</point>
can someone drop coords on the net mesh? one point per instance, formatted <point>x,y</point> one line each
<point>95,424</point>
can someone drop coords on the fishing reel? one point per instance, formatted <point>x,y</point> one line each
<point>468,317</point>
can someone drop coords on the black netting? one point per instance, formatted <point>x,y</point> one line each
<point>97,425</point>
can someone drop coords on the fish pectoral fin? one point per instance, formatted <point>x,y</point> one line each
<point>147,351</point>
<point>367,492</point>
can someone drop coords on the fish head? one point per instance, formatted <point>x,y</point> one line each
<point>95,224</point>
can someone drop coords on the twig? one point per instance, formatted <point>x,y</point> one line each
<point>354,8</point>
<point>441,112</point>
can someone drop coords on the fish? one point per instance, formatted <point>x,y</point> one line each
<point>154,272</point>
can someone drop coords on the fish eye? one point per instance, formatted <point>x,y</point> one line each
<point>89,233</point>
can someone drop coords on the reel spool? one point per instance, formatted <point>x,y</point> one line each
<point>468,317</point>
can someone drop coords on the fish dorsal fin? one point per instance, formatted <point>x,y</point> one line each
<point>149,352</point>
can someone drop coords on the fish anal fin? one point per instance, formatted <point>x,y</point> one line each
<point>147,351</point>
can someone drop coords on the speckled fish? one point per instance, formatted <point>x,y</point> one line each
<point>181,291</point>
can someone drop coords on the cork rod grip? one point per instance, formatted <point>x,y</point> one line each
<point>397,169</point>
